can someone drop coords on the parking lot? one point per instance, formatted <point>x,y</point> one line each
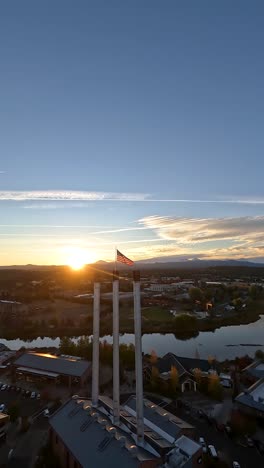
<point>228,449</point>
<point>27,406</point>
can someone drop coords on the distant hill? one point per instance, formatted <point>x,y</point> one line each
<point>160,263</point>
<point>164,264</point>
<point>30,267</point>
<point>191,264</point>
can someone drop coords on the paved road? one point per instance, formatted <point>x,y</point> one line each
<point>227,448</point>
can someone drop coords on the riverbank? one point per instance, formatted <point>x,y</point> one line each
<point>227,342</point>
<point>183,328</point>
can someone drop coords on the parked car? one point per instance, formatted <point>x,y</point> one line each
<point>18,389</point>
<point>3,387</point>
<point>13,388</point>
<point>23,392</point>
<point>228,429</point>
<point>260,446</point>
<point>203,444</point>
<point>2,436</point>
<point>8,387</point>
<point>235,464</point>
<point>38,396</point>
<point>220,427</point>
<point>212,451</point>
<point>226,383</point>
<point>33,395</point>
<point>46,413</point>
<point>250,442</point>
<point>2,408</point>
<point>28,393</point>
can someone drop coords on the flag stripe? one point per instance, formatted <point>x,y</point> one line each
<point>123,259</point>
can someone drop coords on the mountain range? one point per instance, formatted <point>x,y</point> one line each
<point>157,263</point>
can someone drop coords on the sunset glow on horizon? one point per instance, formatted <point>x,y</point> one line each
<point>78,258</point>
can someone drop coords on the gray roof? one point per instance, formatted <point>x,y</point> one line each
<point>57,364</point>
<point>188,446</point>
<point>93,440</point>
<point>182,364</point>
<point>259,374</point>
<point>247,400</point>
<point>169,423</point>
<point>256,369</point>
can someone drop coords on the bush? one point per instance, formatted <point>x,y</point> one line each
<point>14,412</point>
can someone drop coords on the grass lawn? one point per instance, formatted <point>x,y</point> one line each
<point>149,314</point>
<point>156,314</point>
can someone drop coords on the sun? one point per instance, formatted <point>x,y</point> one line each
<point>78,258</point>
<point>76,263</point>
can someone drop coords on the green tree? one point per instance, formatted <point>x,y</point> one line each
<point>254,291</point>
<point>47,458</point>
<point>153,358</point>
<point>155,375</point>
<point>67,346</point>
<point>259,354</point>
<point>215,389</point>
<point>196,294</point>
<point>237,303</point>
<point>174,378</point>
<point>185,322</point>
<point>197,375</point>
<point>14,412</point>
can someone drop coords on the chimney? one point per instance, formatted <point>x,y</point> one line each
<point>116,390</point>
<point>138,357</point>
<point>96,329</point>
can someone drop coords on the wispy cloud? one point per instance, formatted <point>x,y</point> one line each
<point>235,200</point>
<point>2,172</point>
<point>69,195</point>
<point>198,230</point>
<point>88,196</point>
<point>52,205</point>
<point>122,229</point>
<point>208,237</point>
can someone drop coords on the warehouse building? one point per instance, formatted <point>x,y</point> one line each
<point>58,369</point>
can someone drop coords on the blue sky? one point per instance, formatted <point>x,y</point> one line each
<point>110,108</point>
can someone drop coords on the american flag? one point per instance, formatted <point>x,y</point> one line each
<point>123,259</point>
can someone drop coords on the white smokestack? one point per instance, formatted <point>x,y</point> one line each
<point>116,378</point>
<point>138,358</point>
<point>96,330</point>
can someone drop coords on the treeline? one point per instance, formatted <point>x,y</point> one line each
<point>84,348</point>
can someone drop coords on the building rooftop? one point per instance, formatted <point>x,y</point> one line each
<point>256,369</point>
<point>50,363</point>
<point>92,439</point>
<point>182,364</point>
<point>188,446</point>
<point>253,396</point>
<point>166,424</point>
<point>182,453</point>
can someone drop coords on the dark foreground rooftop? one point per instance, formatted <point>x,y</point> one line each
<point>93,440</point>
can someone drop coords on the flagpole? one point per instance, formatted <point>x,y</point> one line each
<point>116,372</point>
<point>115,258</point>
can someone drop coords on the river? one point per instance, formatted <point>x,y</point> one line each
<point>225,342</point>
